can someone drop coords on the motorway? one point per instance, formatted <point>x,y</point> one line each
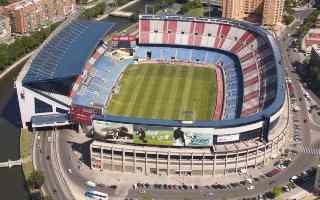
<point>58,190</point>
<point>45,161</point>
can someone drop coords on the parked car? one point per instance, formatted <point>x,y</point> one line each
<point>251,187</point>
<point>273,172</point>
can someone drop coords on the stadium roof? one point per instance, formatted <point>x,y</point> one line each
<point>66,53</point>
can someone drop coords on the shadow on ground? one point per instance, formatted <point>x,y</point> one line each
<point>83,149</point>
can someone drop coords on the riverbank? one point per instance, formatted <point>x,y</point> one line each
<point>14,65</point>
<point>26,144</point>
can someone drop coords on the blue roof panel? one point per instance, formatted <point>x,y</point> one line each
<point>66,53</point>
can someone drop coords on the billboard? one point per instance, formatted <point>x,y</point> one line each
<point>162,135</point>
<point>82,114</point>
<point>102,128</point>
<point>227,138</point>
<point>198,136</point>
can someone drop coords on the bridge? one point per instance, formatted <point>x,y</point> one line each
<point>11,163</point>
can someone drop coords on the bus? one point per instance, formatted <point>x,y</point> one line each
<point>96,195</point>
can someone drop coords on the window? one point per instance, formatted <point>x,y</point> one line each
<point>182,32</point>
<point>169,31</point>
<point>96,150</point>
<point>195,33</point>
<point>209,34</point>
<point>42,107</point>
<point>60,110</point>
<point>156,31</point>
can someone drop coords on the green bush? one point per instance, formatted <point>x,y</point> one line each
<point>191,5</point>
<point>288,19</point>
<point>277,191</point>
<point>4,2</point>
<point>94,11</point>
<point>36,179</point>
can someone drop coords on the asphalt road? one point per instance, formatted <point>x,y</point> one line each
<point>46,162</point>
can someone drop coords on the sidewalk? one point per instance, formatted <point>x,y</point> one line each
<point>298,193</point>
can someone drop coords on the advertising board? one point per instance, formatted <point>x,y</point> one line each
<point>227,138</point>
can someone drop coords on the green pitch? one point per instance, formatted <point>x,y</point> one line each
<point>165,91</point>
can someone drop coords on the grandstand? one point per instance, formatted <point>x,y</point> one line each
<point>44,84</point>
<point>256,59</point>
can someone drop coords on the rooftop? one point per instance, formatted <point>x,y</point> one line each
<point>65,55</point>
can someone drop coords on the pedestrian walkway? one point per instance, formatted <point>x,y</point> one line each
<point>309,150</point>
<point>298,193</point>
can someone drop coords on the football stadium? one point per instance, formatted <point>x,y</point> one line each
<point>184,95</point>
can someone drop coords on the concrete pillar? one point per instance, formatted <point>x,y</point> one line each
<point>264,154</point>
<point>157,164</point>
<point>179,164</point>
<point>134,160</point>
<point>256,156</point>
<point>237,160</point>
<point>247,154</point>
<point>101,158</point>
<point>272,148</point>
<point>123,159</point>
<point>225,164</point>
<point>191,162</point>
<point>111,158</point>
<point>91,163</point>
<point>145,163</point>
<point>214,164</point>
<point>202,166</point>
<point>168,164</point>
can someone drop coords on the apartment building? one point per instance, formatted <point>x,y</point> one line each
<point>265,12</point>
<point>5,29</point>
<point>30,15</point>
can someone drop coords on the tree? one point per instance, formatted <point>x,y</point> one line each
<point>94,11</point>
<point>36,179</point>
<point>277,191</point>
<point>191,5</point>
<point>3,2</point>
<point>288,19</point>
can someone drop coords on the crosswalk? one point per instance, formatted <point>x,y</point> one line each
<point>311,150</point>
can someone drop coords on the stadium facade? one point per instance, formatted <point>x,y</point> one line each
<point>74,82</point>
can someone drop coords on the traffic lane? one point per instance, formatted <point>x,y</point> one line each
<point>53,186</point>
<point>43,165</point>
<point>39,160</point>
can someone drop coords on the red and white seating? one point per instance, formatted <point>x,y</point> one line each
<point>257,63</point>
